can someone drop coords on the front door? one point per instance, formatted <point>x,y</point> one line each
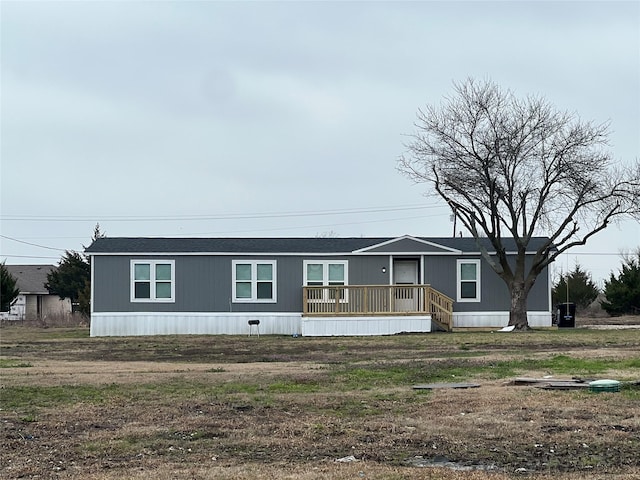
<point>405,272</point>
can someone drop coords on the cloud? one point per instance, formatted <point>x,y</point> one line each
<point>189,107</point>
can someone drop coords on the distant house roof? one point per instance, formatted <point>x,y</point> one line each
<point>30,279</point>
<point>285,245</point>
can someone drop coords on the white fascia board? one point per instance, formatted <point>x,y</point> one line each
<point>409,254</point>
<point>383,244</point>
<point>227,254</point>
<point>280,254</point>
<point>450,252</point>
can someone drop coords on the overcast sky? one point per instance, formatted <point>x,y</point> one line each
<point>275,118</point>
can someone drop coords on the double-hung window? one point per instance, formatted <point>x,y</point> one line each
<point>152,280</point>
<point>326,273</point>
<point>254,281</point>
<point>468,280</point>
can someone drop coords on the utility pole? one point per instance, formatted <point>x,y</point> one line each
<point>453,218</point>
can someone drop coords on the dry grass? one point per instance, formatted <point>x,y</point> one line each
<point>238,408</point>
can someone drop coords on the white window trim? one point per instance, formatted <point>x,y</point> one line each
<point>459,264</point>
<point>254,281</point>
<point>325,278</point>
<point>152,280</point>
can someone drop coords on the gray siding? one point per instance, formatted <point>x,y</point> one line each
<point>367,270</point>
<point>440,272</point>
<point>203,283</point>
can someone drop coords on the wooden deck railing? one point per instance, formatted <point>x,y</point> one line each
<point>359,300</point>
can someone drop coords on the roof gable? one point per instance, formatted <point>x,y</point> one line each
<point>408,244</point>
<point>31,279</point>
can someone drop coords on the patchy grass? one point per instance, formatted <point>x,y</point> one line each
<point>567,365</point>
<point>237,407</point>
<point>13,363</point>
<point>37,397</point>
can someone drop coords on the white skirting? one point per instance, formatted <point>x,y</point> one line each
<point>191,323</point>
<point>497,319</point>
<point>356,326</point>
<point>234,323</point>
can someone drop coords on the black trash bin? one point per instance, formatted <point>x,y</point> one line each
<point>566,315</point>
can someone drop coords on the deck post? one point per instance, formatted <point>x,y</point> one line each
<point>365,299</point>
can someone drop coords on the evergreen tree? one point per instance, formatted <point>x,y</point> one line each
<point>623,291</point>
<point>84,296</point>
<point>8,289</point>
<point>97,233</point>
<point>70,278</point>
<point>582,289</point>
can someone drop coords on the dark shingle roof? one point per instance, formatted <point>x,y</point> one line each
<point>31,278</point>
<point>115,245</point>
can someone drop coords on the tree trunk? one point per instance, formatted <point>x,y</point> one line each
<point>518,311</point>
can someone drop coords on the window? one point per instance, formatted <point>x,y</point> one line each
<point>468,280</point>
<point>326,273</point>
<point>254,281</point>
<point>152,281</point>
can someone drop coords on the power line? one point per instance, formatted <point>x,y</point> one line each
<point>230,216</point>
<point>32,244</point>
<point>273,229</point>
<point>299,227</point>
<point>83,237</point>
<point>30,256</point>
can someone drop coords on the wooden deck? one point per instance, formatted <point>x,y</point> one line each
<point>378,300</point>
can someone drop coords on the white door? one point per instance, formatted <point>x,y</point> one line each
<point>405,272</point>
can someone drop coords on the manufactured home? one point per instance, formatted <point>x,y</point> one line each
<point>304,286</point>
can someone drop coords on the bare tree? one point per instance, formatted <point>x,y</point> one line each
<point>515,168</point>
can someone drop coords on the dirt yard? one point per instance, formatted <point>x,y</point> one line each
<point>204,407</point>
